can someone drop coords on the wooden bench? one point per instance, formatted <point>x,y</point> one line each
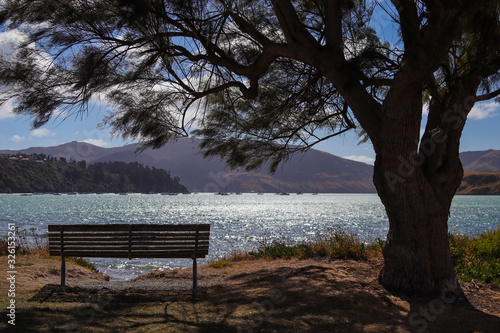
<point>129,241</point>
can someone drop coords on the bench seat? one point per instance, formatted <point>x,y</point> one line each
<point>129,241</point>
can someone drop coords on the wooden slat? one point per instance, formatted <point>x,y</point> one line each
<point>125,227</point>
<point>91,240</point>
<point>85,234</point>
<point>126,234</point>
<point>85,240</point>
<point>167,237</point>
<point>134,235</point>
<point>170,227</point>
<point>134,238</point>
<point>125,242</point>
<point>73,236</point>
<point>124,254</point>
<point>168,234</point>
<point>118,243</point>
<point>133,241</point>
<point>125,247</point>
<point>200,243</point>
<point>88,227</point>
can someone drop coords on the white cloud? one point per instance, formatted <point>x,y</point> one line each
<point>97,142</point>
<point>484,110</point>
<point>41,132</point>
<point>6,111</point>
<point>17,138</point>
<point>361,158</point>
<point>9,42</point>
<point>425,108</point>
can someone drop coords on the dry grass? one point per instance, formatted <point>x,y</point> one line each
<point>247,293</point>
<point>294,295</point>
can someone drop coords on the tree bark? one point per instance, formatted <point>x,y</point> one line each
<point>417,258</point>
<point>416,182</point>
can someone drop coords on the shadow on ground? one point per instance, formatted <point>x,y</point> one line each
<point>314,298</point>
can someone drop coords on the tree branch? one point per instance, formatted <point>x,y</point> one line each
<point>409,22</point>
<point>488,96</point>
<point>295,32</point>
<point>333,24</point>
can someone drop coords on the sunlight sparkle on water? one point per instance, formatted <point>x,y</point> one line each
<point>238,221</point>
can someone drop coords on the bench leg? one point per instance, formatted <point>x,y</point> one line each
<point>195,278</point>
<point>63,271</point>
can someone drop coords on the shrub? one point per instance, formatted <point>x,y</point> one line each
<point>335,243</point>
<point>477,257</point>
<point>30,242</point>
<point>221,263</point>
<point>84,263</point>
<point>22,242</point>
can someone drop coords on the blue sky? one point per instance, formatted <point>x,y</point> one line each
<point>481,131</point>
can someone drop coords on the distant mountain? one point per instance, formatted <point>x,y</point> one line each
<point>480,183</point>
<point>482,173</point>
<point>39,173</point>
<point>313,171</point>
<point>488,160</point>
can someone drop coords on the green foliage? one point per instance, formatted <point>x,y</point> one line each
<point>84,263</point>
<point>479,179</point>
<point>477,257</point>
<point>29,242</point>
<point>47,174</point>
<point>278,249</point>
<point>21,243</point>
<point>334,243</point>
<point>283,114</point>
<point>221,263</point>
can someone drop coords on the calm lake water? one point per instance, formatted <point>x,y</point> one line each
<point>238,222</point>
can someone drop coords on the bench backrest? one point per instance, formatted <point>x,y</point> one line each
<point>129,240</point>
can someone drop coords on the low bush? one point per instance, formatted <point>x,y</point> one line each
<point>221,263</point>
<point>26,241</point>
<point>477,257</point>
<point>30,242</point>
<point>335,243</point>
<point>474,256</point>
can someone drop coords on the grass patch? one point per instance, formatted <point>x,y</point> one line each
<point>23,265</point>
<point>334,244</point>
<point>221,263</point>
<point>21,243</point>
<point>84,263</point>
<point>30,242</point>
<point>474,256</point>
<point>477,257</point>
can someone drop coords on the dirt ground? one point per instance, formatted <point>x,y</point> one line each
<point>306,295</point>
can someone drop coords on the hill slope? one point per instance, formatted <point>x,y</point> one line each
<point>314,171</point>
<point>488,160</point>
<point>480,183</point>
<point>41,174</point>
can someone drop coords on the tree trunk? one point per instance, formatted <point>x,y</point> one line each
<point>417,196</point>
<point>416,185</point>
<point>417,258</point>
